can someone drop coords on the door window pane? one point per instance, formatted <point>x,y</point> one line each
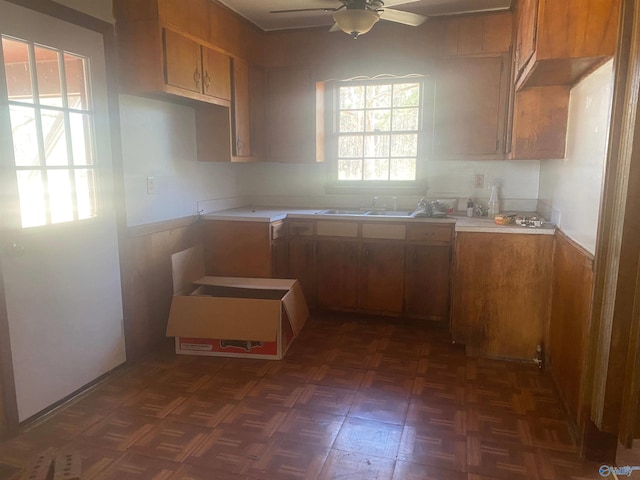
<point>48,71</point>
<point>17,69</point>
<point>25,136</point>
<point>76,86</point>
<point>52,133</point>
<point>32,201</point>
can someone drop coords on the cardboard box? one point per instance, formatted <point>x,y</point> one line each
<point>231,316</point>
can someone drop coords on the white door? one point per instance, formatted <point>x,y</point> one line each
<point>59,250</point>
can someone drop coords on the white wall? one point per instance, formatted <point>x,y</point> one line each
<point>158,140</point>
<point>303,185</point>
<point>102,9</point>
<point>571,189</point>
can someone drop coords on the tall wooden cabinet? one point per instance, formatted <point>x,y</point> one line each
<point>291,107</point>
<point>470,107</point>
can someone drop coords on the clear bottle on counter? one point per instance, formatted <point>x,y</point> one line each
<point>493,207</point>
<point>469,208</point>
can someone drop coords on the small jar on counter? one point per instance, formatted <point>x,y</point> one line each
<point>469,208</point>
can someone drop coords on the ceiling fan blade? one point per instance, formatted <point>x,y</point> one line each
<point>335,28</point>
<point>393,3</point>
<point>326,10</point>
<point>406,18</point>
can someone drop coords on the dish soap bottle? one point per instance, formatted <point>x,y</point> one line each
<point>493,208</point>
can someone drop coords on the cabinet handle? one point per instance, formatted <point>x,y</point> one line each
<point>207,81</point>
<point>238,146</point>
<point>196,78</point>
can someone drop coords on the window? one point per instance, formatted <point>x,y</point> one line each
<point>379,130</point>
<point>52,130</point>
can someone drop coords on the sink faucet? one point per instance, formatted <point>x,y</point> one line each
<point>395,203</point>
<point>373,204</point>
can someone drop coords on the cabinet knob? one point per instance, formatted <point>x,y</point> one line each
<point>196,78</point>
<point>207,81</point>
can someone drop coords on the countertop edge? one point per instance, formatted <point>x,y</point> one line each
<point>461,223</point>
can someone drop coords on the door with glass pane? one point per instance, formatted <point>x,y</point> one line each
<point>59,251</point>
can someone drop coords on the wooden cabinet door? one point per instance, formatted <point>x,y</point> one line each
<point>216,74</point>
<point>471,107</point>
<point>427,282</point>
<point>540,116</point>
<point>526,33</point>
<point>257,111</point>
<point>280,258</point>
<point>337,274</point>
<point>381,277</point>
<point>501,293</point>
<point>241,115</point>
<point>182,62</point>
<point>237,249</point>
<point>291,127</point>
<point>302,266</point>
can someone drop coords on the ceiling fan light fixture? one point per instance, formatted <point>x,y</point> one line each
<point>355,22</point>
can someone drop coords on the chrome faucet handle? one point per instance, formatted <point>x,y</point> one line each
<point>375,199</point>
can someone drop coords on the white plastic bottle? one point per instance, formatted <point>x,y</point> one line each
<point>493,207</point>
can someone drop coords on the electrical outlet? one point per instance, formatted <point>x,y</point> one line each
<point>151,185</point>
<point>478,181</point>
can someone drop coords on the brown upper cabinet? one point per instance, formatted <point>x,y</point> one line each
<point>247,111</point>
<point>241,125</point>
<point>560,41</point>
<point>470,107</point>
<point>195,68</point>
<point>291,106</point>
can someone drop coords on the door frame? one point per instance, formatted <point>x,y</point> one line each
<point>107,30</point>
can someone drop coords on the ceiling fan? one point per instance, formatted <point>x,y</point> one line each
<point>356,17</point>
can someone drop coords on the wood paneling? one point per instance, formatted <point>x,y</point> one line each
<point>389,47</point>
<point>237,249</point>
<point>502,293</point>
<point>570,321</point>
<point>147,283</point>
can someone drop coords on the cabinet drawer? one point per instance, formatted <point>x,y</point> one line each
<point>337,229</point>
<point>278,230</point>
<point>301,229</point>
<point>384,231</point>
<point>432,234</point>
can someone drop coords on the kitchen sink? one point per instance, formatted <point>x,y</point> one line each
<point>389,213</point>
<point>382,213</point>
<point>343,212</point>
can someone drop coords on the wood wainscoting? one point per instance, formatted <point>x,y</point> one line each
<point>570,323</point>
<point>147,283</point>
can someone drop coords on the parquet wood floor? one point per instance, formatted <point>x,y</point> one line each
<point>357,397</point>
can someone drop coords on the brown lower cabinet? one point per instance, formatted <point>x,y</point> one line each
<point>381,279</point>
<point>502,293</point>
<point>302,266</point>
<point>427,281</point>
<point>337,274</point>
<point>342,266</point>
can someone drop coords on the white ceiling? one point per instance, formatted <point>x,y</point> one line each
<point>257,11</point>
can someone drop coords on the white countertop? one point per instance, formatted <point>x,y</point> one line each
<point>463,223</point>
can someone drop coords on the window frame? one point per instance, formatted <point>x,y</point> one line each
<point>71,167</point>
<point>425,137</point>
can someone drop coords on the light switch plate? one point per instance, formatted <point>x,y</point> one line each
<point>151,185</point>
<point>478,181</point>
